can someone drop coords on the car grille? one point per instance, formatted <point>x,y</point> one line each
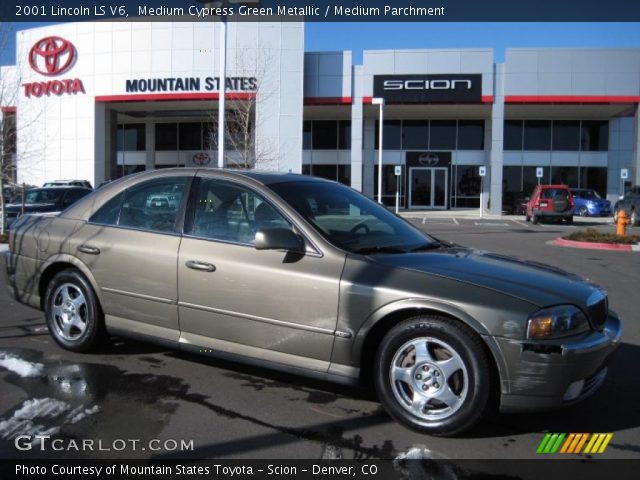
<point>598,312</point>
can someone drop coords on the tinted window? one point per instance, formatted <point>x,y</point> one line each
<point>470,134</point>
<point>153,205</point>
<point>73,196</point>
<point>415,135</point>
<point>131,137</point>
<point>391,135</point>
<point>344,134</point>
<point>232,213</point>
<point>553,192</point>
<point>325,135</point>
<point>108,213</point>
<point>306,135</point>
<point>566,135</point>
<point>166,136</point>
<point>190,135</point>
<point>594,135</point>
<point>537,135</point>
<point>329,172</point>
<point>564,176</point>
<point>513,135</point>
<point>442,135</point>
<point>209,136</point>
<point>44,195</point>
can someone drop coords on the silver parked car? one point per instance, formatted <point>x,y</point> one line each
<point>312,277</point>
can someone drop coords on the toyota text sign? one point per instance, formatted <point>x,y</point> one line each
<point>449,88</point>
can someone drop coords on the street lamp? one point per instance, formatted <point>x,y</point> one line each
<point>380,102</point>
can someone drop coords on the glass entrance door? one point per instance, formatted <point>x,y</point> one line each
<point>428,187</point>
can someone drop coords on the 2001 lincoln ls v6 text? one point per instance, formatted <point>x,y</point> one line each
<point>310,276</point>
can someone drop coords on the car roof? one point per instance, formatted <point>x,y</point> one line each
<point>555,186</point>
<point>263,177</point>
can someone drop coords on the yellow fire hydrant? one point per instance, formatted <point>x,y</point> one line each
<point>623,221</point>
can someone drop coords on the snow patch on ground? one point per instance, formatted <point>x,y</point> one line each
<point>19,366</point>
<point>22,420</point>
<point>415,454</point>
<point>80,413</point>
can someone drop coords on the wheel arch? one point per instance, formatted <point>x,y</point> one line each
<point>61,262</point>
<point>377,325</point>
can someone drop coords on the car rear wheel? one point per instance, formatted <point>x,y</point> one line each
<point>527,218</point>
<point>569,220</point>
<point>432,375</point>
<point>535,219</point>
<point>633,219</point>
<point>583,212</point>
<point>72,312</point>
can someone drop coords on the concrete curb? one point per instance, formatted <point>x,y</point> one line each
<point>562,242</point>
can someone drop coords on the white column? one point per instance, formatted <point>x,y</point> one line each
<point>636,147</point>
<point>357,131</point>
<point>497,141</point>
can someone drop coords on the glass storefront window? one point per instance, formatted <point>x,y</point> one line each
<point>564,176</point>
<point>166,136</point>
<point>537,135</point>
<point>330,172</point>
<point>566,135</point>
<point>471,135</point>
<point>131,137</point>
<point>306,135</point>
<point>512,194</point>
<point>209,136</point>
<point>389,185</point>
<point>595,178</point>
<point>190,136</point>
<point>594,135</point>
<point>529,179</point>
<point>415,135</point>
<point>513,131</point>
<point>344,174</point>
<point>324,135</point>
<point>391,135</point>
<point>344,134</point>
<point>442,135</point>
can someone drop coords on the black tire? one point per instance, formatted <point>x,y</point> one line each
<point>634,221</point>
<point>535,219</point>
<point>88,312</point>
<point>569,220</point>
<point>527,218</point>
<point>615,216</point>
<point>472,381</point>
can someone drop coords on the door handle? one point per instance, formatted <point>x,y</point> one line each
<point>89,250</point>
<point>201,266</point>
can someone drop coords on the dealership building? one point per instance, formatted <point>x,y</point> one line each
<point>99,100</point>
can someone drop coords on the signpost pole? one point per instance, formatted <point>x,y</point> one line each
<point>482,171</point>
<point>398,173</point>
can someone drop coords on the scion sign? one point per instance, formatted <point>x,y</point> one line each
<point>447,88</point>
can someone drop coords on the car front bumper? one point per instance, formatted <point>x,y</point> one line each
<point>552,374</point>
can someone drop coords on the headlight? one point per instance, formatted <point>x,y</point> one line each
<point>557,322</point>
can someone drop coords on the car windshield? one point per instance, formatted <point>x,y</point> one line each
<point>350,220</point>
<point>43,195</point>
<point>586,194</point>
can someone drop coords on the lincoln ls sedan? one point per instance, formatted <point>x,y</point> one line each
<point>311,277</point>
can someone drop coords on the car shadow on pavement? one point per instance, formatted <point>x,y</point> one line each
<point>615,406</point>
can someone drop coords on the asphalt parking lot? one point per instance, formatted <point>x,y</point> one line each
<point>132,390</point>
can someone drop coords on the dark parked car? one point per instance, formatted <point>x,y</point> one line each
<point>310,276</point>
<point>630,203</point>
<point>44,200</point>
<point>589,204</point>
<point>550,202</point>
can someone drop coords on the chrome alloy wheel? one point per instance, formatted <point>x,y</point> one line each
<point>69,311</point>
<point>429,378</point>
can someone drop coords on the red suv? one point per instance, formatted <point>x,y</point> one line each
<point>550,201</point>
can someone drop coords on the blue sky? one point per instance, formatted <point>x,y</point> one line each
<point>372,36</point>
<point>360,36</point>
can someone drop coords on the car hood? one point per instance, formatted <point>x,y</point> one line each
<point>536,283</point>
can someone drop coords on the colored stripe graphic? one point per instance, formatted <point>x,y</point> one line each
<point>572,443</point>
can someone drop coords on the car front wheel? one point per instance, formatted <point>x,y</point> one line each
<point>634,220</point>
<point>72,312</point>
<point>432,375</point>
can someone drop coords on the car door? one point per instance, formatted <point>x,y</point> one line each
<point>275,305</point>
<point>131,247</point>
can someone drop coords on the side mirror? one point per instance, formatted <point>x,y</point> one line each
<point>278,239</point>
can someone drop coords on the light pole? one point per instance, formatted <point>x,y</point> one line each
<point>222,89</point>
<point>380,102</point>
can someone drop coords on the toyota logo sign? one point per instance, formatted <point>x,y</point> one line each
<point>428,159</point>
<point>201,158</point>
<point>52,56</point>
